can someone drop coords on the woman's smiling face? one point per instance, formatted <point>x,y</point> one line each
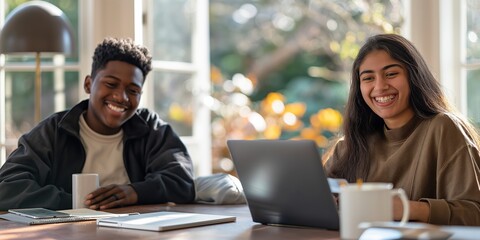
<point>385,88</point>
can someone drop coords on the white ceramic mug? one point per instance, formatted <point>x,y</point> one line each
<point>82,185</point>
<point>368,202</point>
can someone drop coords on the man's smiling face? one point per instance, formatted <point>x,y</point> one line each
<point>115,95</point>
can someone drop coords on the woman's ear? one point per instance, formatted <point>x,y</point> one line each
<point>87,84</point>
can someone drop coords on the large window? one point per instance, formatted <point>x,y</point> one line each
<point>280,69</point>
<point>175,31</point>
<point>471,58</point>
<point>460,54</point>
<point>179,85</point>
<point>275,65</point>
<point>60,76</point>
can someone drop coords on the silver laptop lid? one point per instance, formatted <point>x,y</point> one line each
<point>164,220</point>
<point>284,182</point>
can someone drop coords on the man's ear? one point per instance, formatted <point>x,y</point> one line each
<point>87,84</point>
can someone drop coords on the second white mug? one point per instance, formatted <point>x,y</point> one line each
<point>368,202</point>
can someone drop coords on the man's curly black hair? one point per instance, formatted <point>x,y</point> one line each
<point>125,50</point>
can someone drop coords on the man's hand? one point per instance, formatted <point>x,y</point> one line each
<point>111,196</point>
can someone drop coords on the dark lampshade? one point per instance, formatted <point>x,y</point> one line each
<point>37,26</point>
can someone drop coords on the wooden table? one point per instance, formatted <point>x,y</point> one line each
<point>243,228</point>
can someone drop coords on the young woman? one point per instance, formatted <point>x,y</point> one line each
<point>400,128</point>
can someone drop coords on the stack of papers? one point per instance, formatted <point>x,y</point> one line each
<point>76,215</point>
<point>93,214</point>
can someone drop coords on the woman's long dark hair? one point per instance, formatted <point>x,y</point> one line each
<point>426,99</point>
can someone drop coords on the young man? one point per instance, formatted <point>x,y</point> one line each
<point>139,158</point>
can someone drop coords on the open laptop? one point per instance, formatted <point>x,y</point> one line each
<point>284,182</point>
<point>164,221</point>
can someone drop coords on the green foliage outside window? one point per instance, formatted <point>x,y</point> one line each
<point>299,51</point>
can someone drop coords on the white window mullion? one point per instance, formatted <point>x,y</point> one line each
<point>138,21</point>
<point>460,21</point>
<point>3,108</point>
<point>201,60</point>
<point>451,76</point>
<point>146,25</point>
<point>59,83</point>
<point>86,43</point>
<point>3,85</point>
<point>199,143</point>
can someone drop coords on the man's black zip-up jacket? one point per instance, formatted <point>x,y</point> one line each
<point>39,172</point>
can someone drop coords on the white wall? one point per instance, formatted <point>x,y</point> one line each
<point>422,28</point>
<point>434,27</point>
<point>113,18</point>
<point>109,18</point>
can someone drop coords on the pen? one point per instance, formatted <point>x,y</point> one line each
<point>359,182</point>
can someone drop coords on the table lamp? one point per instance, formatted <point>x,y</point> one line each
<point>36,27</point>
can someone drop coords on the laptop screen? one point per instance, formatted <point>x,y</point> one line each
<point>284,182</point>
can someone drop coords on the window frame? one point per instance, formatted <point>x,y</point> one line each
<point>452,52</point>
<point>96,23</point>
<point>453,34</point>
<point>437,28</point>
<point>199,143</point>
<point>58,66</point>
<point>439,39</point>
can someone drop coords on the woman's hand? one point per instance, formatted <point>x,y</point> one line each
<point>335,199</point>
<point>111,196</point>
<point>419,211</point>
